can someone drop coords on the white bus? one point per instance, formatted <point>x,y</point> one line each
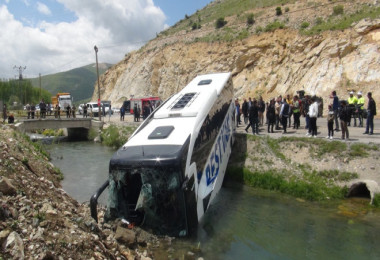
<point>170,170</point>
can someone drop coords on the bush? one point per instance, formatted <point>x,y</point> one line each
<point>259,29</point>
<point>338,9</point>
<point>220,23</point>
<point>195,26</point>
<point>278,11</point>
<point>250,19</point>
<point>274,26</point>
<point>304,25</point>
<point>319,20</point>
<point>287,9</point>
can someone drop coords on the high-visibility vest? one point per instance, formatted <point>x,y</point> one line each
<point>352,100</point>
<point>361,102</point>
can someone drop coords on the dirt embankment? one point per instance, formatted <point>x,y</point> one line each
<point>38,220</point>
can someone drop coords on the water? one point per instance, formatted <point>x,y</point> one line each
<point>85,167</point>
<point>244,223</point>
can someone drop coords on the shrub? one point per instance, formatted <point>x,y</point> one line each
<point>259,29</point>
<point>195,26</point>
<point>319,20</point>
<point>250,19</point>
<point>274,26</point>
<point>278,11</point>
<point>287,9</point>
<point>220,23</point>
<point>338,9</point>
<point>304,25</point>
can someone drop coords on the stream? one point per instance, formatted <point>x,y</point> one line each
<point>243,222</point>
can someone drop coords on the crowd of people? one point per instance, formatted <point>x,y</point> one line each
<point>282,113</point>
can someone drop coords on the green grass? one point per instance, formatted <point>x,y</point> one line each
<point>342,22</point>
<point>337,175</point>
<point>309,186</point>
<point>361,150</point>
<point>115,136</point>
<point>376,200</point>
<point>212,12</point>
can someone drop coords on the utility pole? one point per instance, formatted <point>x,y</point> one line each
<point>20,70</point>
<point>97,73</point>
<point>40,87</point>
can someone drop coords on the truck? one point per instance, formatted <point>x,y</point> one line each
<point>140,102</point>
<point>62,99</point>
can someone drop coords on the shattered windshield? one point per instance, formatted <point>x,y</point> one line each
<point>150,197</point>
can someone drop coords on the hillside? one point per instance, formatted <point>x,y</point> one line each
<point>80,81</point>
<point>316,46</point>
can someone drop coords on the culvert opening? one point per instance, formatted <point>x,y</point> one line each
<point>359,190</point>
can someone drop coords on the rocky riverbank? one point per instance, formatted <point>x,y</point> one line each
<point>39,220</point>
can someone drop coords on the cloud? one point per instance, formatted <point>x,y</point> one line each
<point>43,9</point>
<point>115,26</point>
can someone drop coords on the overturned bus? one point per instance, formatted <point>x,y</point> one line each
<point>170,170</point>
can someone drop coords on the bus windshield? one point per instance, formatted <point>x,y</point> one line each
<point>149,196</point>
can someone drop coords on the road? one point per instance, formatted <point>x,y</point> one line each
<point>356,133</point>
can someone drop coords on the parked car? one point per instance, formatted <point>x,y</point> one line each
<point>115,110</point>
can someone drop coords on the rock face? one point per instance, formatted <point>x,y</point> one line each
<point>269,64</point>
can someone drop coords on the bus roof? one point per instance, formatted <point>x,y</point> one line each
<point>184,111</point>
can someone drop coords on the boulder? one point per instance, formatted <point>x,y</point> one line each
<point>14,246</point>
<point>6,187</point>
<point>125,236</point>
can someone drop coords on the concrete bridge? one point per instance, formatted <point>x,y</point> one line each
<point>77,128</point>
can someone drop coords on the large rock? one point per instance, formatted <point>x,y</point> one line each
<point>14,246</point>
<point>6,187</point>
<point>125,236</point>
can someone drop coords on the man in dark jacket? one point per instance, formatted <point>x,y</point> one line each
<point>254,117</point>
<point>244,109</point>
<point>345,117</point>
<point>371,110</point>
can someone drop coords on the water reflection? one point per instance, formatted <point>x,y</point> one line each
<point>247,223</point>
<point>85,167</point>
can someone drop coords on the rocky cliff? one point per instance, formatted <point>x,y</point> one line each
<point>267,64</point>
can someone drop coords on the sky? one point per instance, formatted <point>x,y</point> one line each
<point>49,36</point>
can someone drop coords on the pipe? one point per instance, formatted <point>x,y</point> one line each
<point>94,200</point>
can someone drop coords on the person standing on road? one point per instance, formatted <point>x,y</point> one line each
<point>244,109</point>
<point>352,101</point>
<point>85,111</point>
<point>32,110</point>
<point>122,113</point>
<point>254,117</point>
<point>335,106</point>
<point>296,112</point>
<point>344,116</point>
<point>313,114</point>
<point>261,105</point>
<point>271,115</point>
<point>360,107</point>
<point>28,110</point>
<point>330,123</point>
<point>73,109</point>
<point>284,114</point>
<point>237,112</point>
<point>371,110</point>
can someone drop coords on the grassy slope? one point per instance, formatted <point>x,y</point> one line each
<point>79,82</point>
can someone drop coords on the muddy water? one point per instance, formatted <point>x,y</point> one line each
<point>244,223</point>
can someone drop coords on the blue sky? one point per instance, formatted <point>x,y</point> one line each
<point>48,36</point>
